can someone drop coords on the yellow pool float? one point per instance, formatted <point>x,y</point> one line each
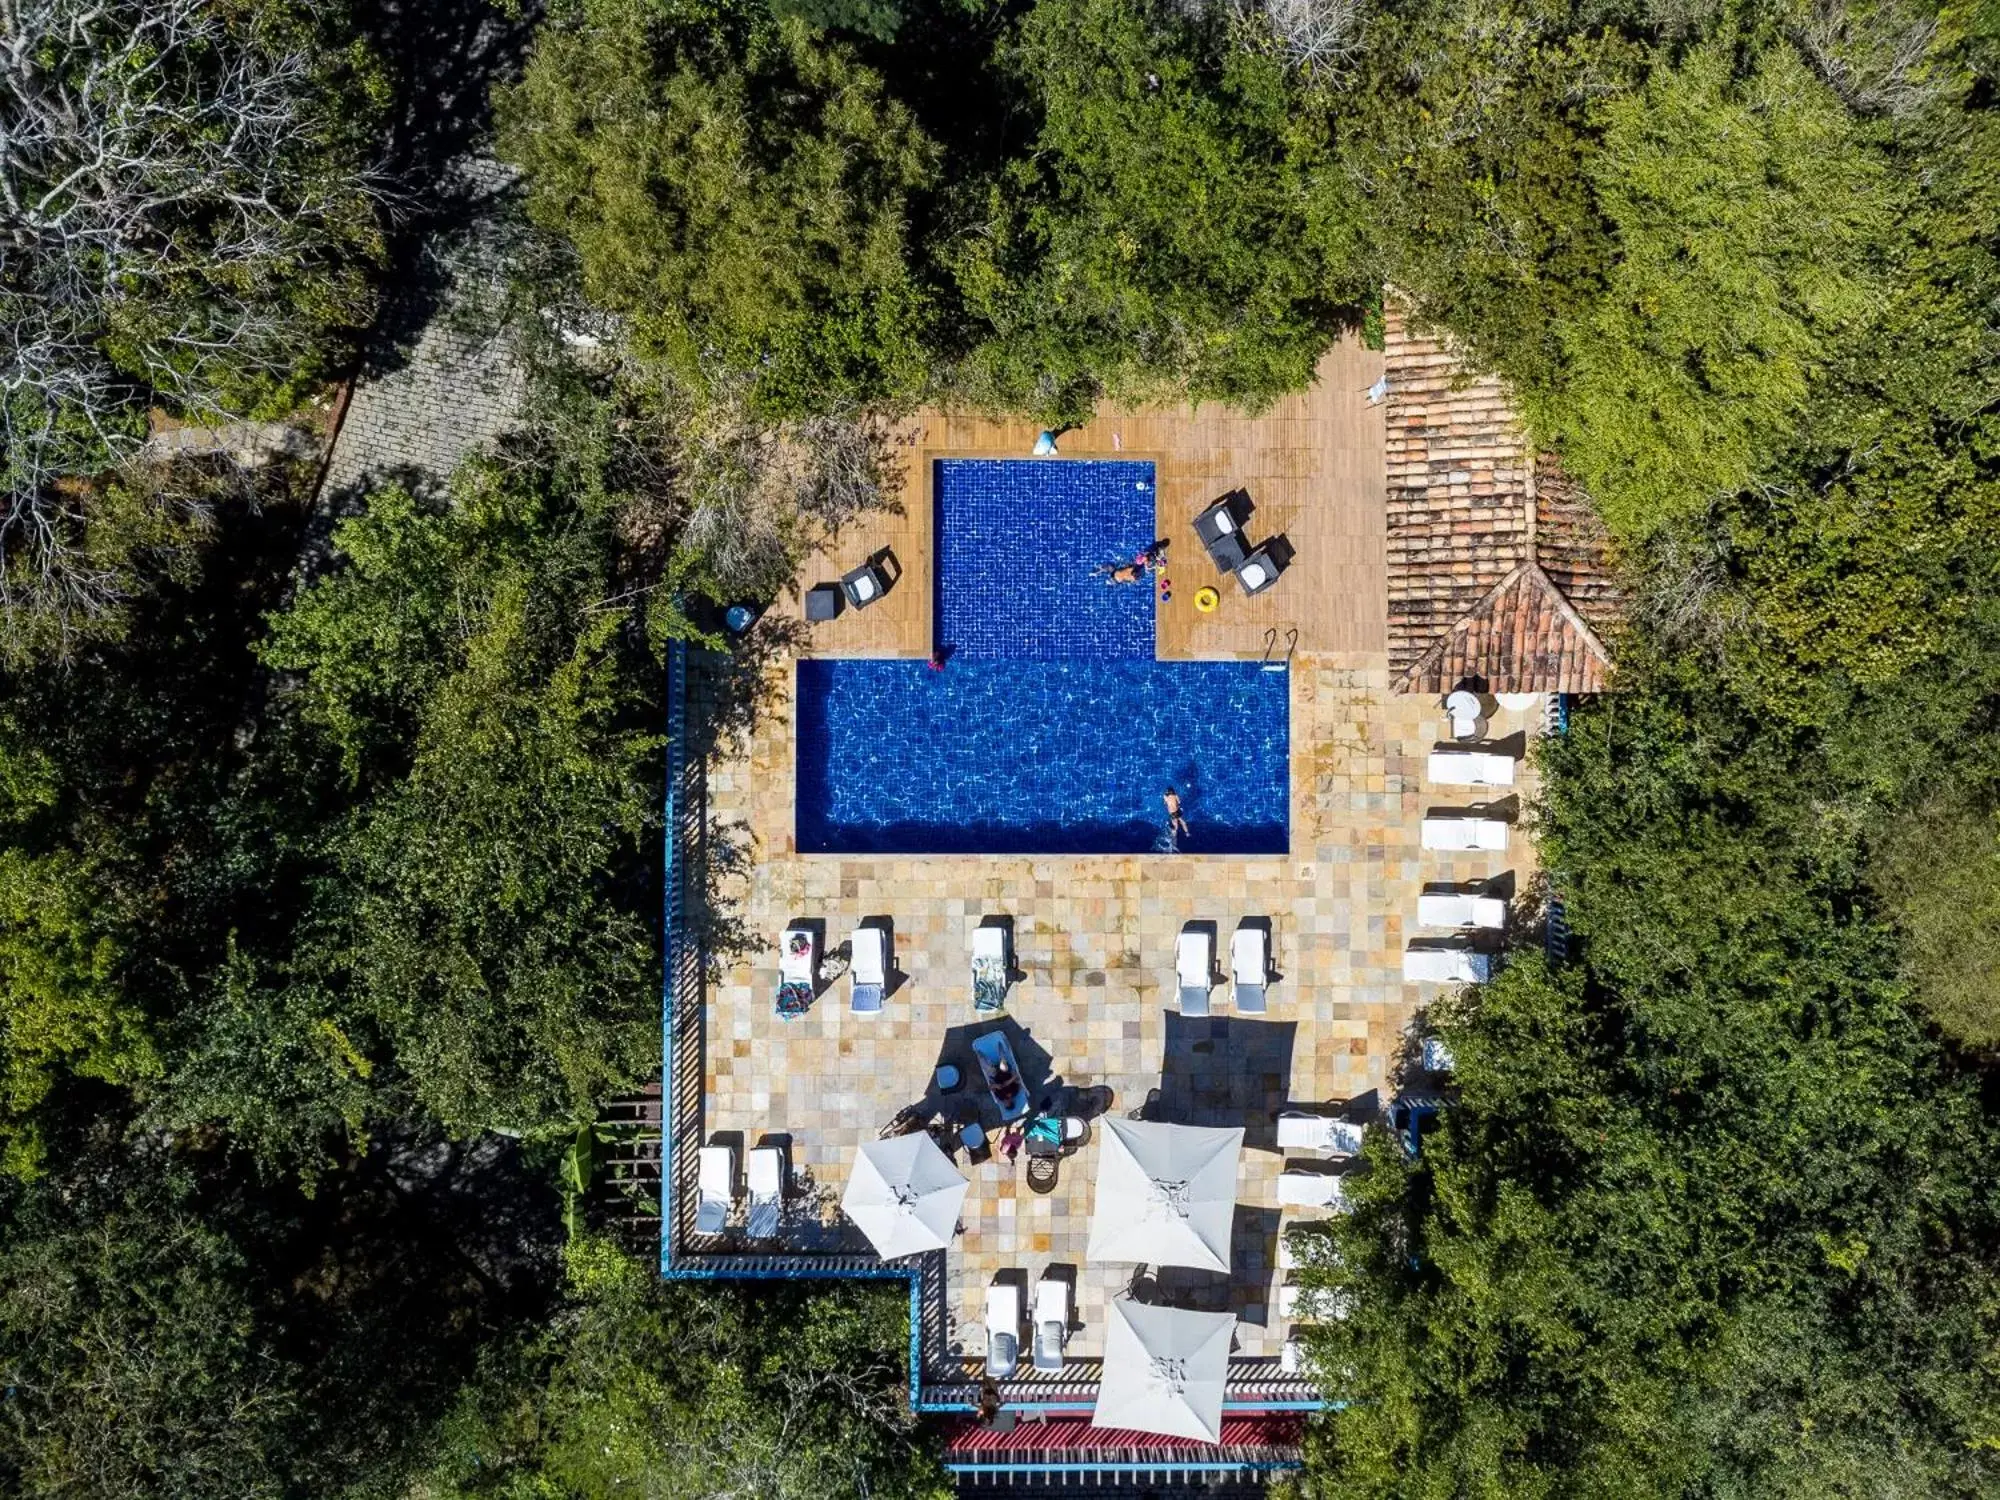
<point>1206,598</point>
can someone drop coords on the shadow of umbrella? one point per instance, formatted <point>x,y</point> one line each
<point>1224,1070</point>
<point>972,1100</point>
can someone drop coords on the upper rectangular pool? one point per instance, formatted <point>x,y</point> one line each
<point>1049,757</point>
<point>1017,549</point>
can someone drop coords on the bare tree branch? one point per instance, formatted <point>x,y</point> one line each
<point>1315,36</point>
<point>173,228</point>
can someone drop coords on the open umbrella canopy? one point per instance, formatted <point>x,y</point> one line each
<point>904,1194</point>
<point>1166,1195</point>
<point>1164,1370</point>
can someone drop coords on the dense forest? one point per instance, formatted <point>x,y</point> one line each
<point>328,844</point>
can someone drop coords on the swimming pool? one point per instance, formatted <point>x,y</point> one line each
<point>1051,728</point>
<point>1040,757</point>
<point>1016,548</point>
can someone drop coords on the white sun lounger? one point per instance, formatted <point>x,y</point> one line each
<point>1310,1304</point>
<point>991,964</point>
<point>1051,1322</point>
<point>1249,967</point>
<point>1446,966</point>
<point>1194,968</point>
<point>1450,833</point>
<point>1298,1131</point>
<point>1470,768</point>
<point>870,969</point>
<point>1320,1251</point>
<point>1310,1190</point>
<point>1003,1329</point>
<point>767,1191</point>
<point>1460,909</point>
<point>716,1179</point>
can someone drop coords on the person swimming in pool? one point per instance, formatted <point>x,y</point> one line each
<point>1176,824</point>
<point>1124,573</point>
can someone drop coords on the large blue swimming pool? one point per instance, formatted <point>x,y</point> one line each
<point>1040,757</point>
<point>1050,729</point>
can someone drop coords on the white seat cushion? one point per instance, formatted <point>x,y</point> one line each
<point>1248,962</point>
<point>1255,575</point>
<point>1192,960</point>
<point>869,965</point>
<point>1444,910</point>
<point>1301,1132</point>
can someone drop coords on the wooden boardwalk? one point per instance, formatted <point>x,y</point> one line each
<point>1314,469</point>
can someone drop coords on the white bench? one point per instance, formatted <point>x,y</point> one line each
<point>1472,832</point>
<point>1470,768</point>
<point>1446,966</point>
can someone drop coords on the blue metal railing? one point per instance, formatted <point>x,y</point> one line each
<point>1555,926</point>
<point>680,1016</point>
<point>670,932</point>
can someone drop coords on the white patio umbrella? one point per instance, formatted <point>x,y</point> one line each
<point>904,1194</point>
<point>1164,1370</point>
<point>1166,1195</point>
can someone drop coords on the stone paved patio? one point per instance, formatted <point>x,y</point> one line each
<point>1093,939</point>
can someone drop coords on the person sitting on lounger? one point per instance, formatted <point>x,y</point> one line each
<point>1005,1085</point>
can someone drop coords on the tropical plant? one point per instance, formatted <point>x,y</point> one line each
<point>642,1387</point>
<point>740,188</point>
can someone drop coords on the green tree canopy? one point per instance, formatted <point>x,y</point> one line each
<point>1152,209</point>
<point>1748,214</point>
<point>1937,871</point>
<point>189,224</point>
<point>640,1387</point>
<point>1179,226</point>
<point>739,187</point>
<point>477,926</point>
<point>1712,1211</point>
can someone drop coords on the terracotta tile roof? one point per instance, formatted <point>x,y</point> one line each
<point>1571,545</point>
<point>1497,565</point>
<point>1523,637</point>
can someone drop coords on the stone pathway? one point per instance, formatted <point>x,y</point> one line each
<point>456,389</point>
<point>459,391</point>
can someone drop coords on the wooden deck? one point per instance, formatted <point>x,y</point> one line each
<point>1313,466</point>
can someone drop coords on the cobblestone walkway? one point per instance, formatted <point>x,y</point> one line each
<point>458,391</point>
<point>458,387</point>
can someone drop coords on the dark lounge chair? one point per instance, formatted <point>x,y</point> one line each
<point>865,585</point>
<point>1220,528</point>
<point>1259,570</point>
<point>823,602</point>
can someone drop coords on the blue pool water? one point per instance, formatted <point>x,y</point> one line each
<point>1015,546</point>
<point>1040,757</point>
